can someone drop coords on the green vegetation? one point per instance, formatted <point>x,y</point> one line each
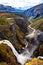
<point>6,18</point>
<point>2,21</point>
<point>6,32</point>
<point>37,22</point>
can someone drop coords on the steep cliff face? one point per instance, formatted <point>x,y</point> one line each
<point>6,56</point>
<point>41,26</point>
<point>14,29</point>
<point>35,11</point>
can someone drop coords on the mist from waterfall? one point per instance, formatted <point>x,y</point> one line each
<point>24,56</point>
<point>27,50</point>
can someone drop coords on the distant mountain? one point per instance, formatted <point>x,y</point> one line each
<point>35,11</point>
<point>9,8</point>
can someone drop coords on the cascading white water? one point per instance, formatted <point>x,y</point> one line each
<point>31,35</point>
<point>24,56</point>
<point>21,58</point>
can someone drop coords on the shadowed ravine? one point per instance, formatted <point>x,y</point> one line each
<point>21,58</point>
<point>26,54</point>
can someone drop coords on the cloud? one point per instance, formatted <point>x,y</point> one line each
<point>23,4</point>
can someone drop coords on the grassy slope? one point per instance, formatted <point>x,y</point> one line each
<point>37,22</point>
<point>6,18</point>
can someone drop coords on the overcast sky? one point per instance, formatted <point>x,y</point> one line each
<point>22,4</point>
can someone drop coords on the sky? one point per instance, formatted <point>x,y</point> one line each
<point>21,4</point>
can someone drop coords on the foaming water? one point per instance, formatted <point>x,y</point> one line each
<point>23,57</point>
<point>26,54</point>
<point>31,35</point>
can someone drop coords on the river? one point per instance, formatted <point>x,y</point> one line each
<point>26,55</point>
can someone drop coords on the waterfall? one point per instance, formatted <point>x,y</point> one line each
<point>10,45</point>
<point>31,35</point>
<point>40,57</point>
<point>26,54</point>
<point>21,58</point>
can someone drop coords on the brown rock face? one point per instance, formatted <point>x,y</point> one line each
<point>15,32</point>
<point>38,51</point>
<point>6,56</point>
<point>41,27</point>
